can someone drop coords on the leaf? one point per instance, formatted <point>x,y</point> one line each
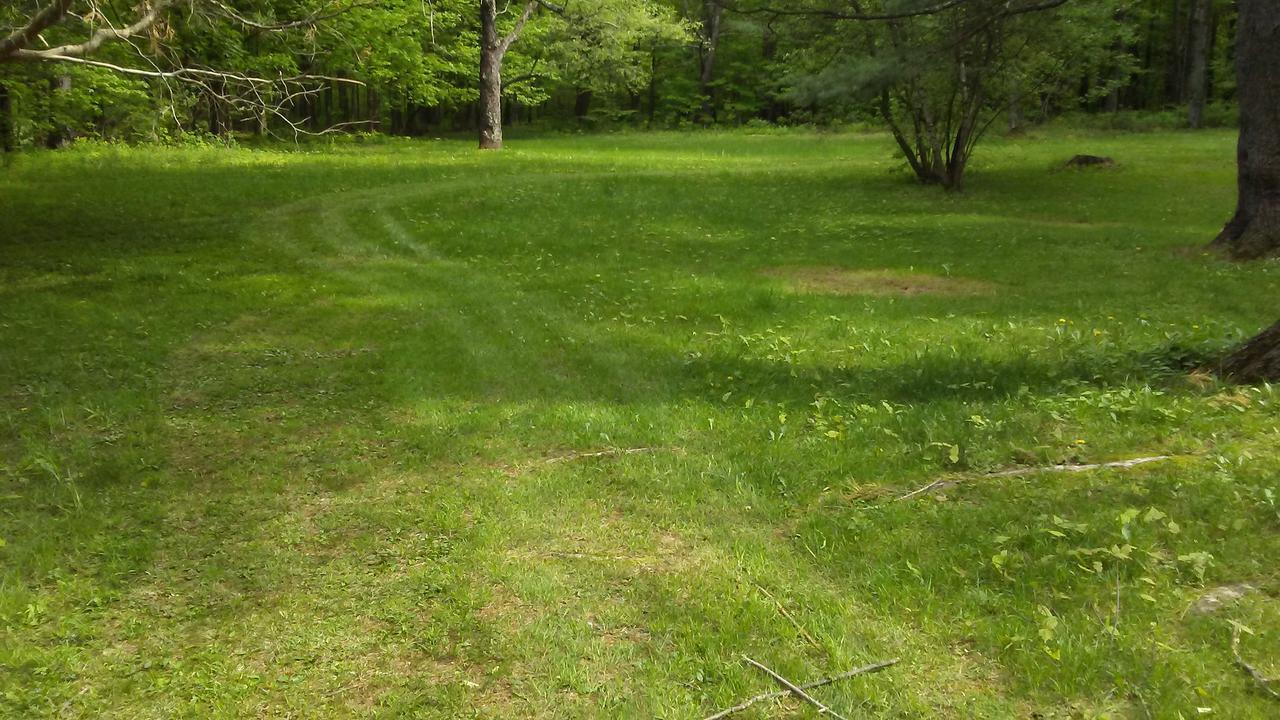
<point>954,455</point>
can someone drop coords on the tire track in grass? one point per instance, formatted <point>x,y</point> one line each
<point>475,315</point>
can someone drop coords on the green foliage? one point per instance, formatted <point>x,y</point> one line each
<point>627,62</point>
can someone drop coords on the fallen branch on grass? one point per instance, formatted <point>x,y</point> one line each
<point>607,452</point>
<point>1262,681</point>
<point>864,670</point>
<point>1071,467</point>
<point>795,690</point>
<point>1014,472</point>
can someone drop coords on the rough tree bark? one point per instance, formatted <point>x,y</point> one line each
<point>1254,231</point>
<point>1198,72</point>
<point>491,52</point>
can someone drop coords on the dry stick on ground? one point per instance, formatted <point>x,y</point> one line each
<point>1262,681</point>
<point>795,690</point>
<point>1119,464</point>
<point>796,623</point>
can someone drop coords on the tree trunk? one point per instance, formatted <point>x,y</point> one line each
<point>1176,61</point>
<point>582,104</point>
<point>1198,76</point>
<point>1254,231</point>
<point>59,136</point>
<point>653,82</point>
<point>713,12</point>
<point>1257,360</point>
<point>6,120</point>
<point>491,52</point>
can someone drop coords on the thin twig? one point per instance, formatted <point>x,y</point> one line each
<point>795,690</point>
<point>1261,680</point>
<point>864,670</point>
<point>795,623</point>
<point>925,489</point>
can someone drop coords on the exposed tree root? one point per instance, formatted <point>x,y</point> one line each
<point>1256,361</point>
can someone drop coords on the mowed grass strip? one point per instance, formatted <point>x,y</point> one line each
<point>346,433</point>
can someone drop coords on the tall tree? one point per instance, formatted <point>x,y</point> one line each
<point>1198,63</point>
<point>712,18</point>
<point>1254,231</point>
<point>493,48</point>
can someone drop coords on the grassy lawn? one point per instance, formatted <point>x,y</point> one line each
<point>309,434</point>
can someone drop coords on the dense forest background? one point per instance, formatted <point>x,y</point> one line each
<point>652,64</point>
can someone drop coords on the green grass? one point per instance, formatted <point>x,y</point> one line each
<point>284,434</point>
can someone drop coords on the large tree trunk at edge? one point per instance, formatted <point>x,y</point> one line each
<point>1254,231</point>
<point>491,52</point>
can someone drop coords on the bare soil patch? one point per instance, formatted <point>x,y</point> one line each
<point>840,281</point>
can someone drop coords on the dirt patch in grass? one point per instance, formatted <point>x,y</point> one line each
<point>840,281</point>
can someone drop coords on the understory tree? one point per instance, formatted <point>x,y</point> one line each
<point>940,73</point>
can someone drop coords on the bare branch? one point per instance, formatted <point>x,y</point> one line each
<point>185,72</point>
<point>100,36</point>
<point>864,670</point>
<point>529,9</point>
<point>23,37</point>
<point>796,690</point>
